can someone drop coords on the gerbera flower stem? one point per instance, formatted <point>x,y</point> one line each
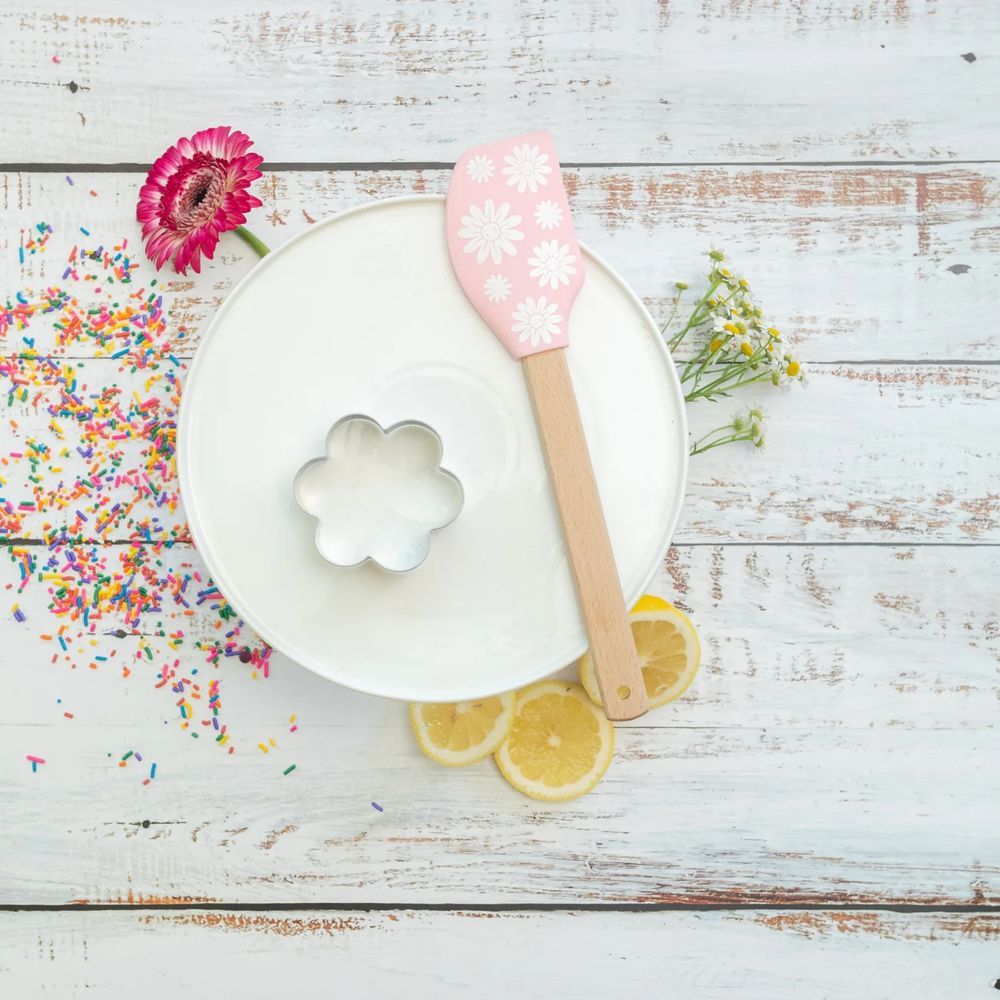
<point>255,243</point>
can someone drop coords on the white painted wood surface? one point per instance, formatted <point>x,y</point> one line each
<point>651,81</point>
<point>823,477</point>
<point>852,263</point>
<point>838,746</point>
<point>750,955</point>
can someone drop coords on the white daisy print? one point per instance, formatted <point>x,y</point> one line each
<point>480,168</point>
<point>527,167</point>
<point>552,264</point>
<point>536,320</point>
<point>496,288</point>
<point>548,215</point>
<point>491,231</point>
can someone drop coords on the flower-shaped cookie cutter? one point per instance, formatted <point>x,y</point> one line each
<point>378,493</point>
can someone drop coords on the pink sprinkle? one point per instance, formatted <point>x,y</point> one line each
<point>56,59</point>
<point>35,760</point>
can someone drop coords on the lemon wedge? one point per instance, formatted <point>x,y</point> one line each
<point>560,743</point>
<point>462,732</point>
<point>668,648</point>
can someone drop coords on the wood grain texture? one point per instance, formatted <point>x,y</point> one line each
<point>752,955</point>
<point>837,747</point>
<point>673,80</point>
<point>875,453</point>
<point>852,263</point>
<point>839,744</point>
<point>588,545</point>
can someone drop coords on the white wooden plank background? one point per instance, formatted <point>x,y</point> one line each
<point>837,747</point>
<point>853,264</point>
<point>653,81</point>
<point>751,955</point>
<point>824,477</point>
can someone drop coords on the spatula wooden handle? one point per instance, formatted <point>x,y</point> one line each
<point>598,589</point>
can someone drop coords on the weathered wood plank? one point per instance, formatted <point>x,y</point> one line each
<point>756,955</point>
<point>867,453</point>
<point>676,80</point>
<point>837,747</point>
<point>859,264</point>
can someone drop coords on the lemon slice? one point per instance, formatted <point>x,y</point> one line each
<point>560,743</point>
<point>462,732</point>
<point>668,647</point>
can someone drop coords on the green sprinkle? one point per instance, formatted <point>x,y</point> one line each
<point>288,770</point>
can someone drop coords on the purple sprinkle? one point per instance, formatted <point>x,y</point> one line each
<point>375,805</point>
<point>69,180</point>
<point>138,756</point>
<point>19,615</point>
<point>66,273</point>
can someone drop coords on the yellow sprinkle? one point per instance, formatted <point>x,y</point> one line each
<point>291,718</point>
<point>263,746</point>
<point>271,741</point>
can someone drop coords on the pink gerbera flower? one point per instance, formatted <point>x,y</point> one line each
<point>195,192</point>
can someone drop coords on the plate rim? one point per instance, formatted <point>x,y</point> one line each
<point>214,566</point>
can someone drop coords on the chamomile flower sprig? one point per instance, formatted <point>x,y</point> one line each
<point>735,346</point>
<point>747,427</point>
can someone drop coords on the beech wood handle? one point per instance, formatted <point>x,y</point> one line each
<point>598,589</point>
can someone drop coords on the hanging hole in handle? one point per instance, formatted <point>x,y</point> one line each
<point>623,691</point>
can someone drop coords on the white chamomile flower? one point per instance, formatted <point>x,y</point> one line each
<point>552,264</point>
<point>548,215</point>
<point>779,370</point>
<point>527,167</point>
<point>480,168</point>
<point>718,324</point>
<point>491,231</point>
<point>496,288</point>
<point>537,321</point>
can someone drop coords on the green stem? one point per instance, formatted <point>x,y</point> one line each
<point>256,244</point>
<point>700,448</point>
<point>676,339</point>
<point>718,384</point>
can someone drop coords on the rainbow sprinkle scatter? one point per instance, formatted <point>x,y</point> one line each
<point>34,240</point>
<point>92,524</point>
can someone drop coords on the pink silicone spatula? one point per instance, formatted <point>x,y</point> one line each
<point>515,254</point>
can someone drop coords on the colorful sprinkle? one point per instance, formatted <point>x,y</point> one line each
<point>111,560</point>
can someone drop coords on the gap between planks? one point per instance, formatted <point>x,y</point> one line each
<point>178,542</point>
<point>347,166</point>
<point>917,908</point>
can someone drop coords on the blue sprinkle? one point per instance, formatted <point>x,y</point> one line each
<point>375,805</point>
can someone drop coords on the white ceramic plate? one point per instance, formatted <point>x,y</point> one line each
<point>361,314</point>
